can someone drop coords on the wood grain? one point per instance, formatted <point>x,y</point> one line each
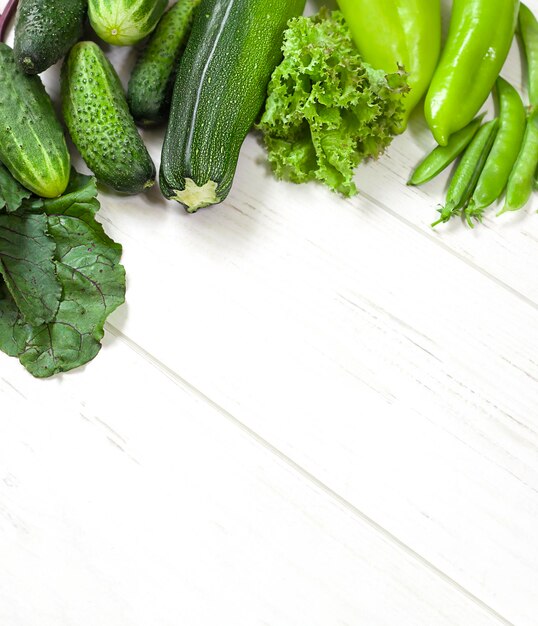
<point>135,503</point>
<point>340,397</point>
<point>374,358</point>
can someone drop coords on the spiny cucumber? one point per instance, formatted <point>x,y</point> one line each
<point>44,31</point>
<point>32,143</point>
<point>150,86</point>
<point>125,22</point>
<point>99,121</point>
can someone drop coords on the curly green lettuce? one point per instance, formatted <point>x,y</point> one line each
<point>327,110</point>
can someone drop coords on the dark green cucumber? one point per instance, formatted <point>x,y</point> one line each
<point>150,86</point>
<point>219,90</point>
<point>45,30</point>
<point>125,22</point>
<point>32,143</point>
<point>99,121</point>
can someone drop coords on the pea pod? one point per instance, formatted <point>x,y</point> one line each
<point>504,153</point>
<point>393,33</point>
<point>528,28</point>
<point>442,156</point>
<point>521,181</point>
<point>478,42</point>
<point>466,176</point>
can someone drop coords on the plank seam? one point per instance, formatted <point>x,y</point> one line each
<point>446,247</point>
<point>306,475</point>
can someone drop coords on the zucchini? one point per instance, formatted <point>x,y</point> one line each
<point>125,22</point>
<point>32,143</point>
<point>44,31</point>
<point>219,90</point>
<point>150,86</point>
<point>99,121</point>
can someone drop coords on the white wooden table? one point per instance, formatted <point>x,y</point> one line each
<point>311,412</point>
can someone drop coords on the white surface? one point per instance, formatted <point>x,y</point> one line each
<point>310,411</point>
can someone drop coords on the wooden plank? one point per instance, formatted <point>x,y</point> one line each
<point>326,326</point>
<point>133,502</point>
<point>364,351</point>
<point>364,347</point>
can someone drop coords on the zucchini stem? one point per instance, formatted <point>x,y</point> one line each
<point>195,197</point>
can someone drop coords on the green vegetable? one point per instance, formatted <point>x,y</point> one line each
<point>442,156</point>
<point>394,33</point>
<point>27,266</point>
<point>45,31</point>
<point>479,38</point>
<point>99,121</point>
<point>125,22</point>
<point>327,110</point>
<point>150,86</point>
<point>464,181</point>
<point>521,181</point>
<point>528,28</point>
<point>12,193</point>
<point>89,281</point>
<point>503,155</point>
<point>32,144</point>
<point>219,90</point>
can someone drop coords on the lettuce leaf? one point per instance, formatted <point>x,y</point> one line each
<point>92,285</point>
<point>326,109</point>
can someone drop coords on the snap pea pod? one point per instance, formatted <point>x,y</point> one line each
<point>464,181</point>
<point>528,28</point>
<point>442,156</point>
<point>521,181</point>
<point>504,153</point>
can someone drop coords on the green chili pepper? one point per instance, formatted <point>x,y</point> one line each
<point>521,181</point>
<point>442,156</point>
<point>528,28</point>
<point>394,33</point>
<point>464,181</point>
<point>504,153</point>
<point>479,39</point>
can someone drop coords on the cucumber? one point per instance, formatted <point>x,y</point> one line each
<point>125,22</point>
<point>32,143</point>
<point>99,121</point>
<point>150,86</point>
<point>44,31</point>
<point>220,88</point>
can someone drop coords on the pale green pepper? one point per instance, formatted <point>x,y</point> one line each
<point>478,42</point>
<point>398,33</point>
